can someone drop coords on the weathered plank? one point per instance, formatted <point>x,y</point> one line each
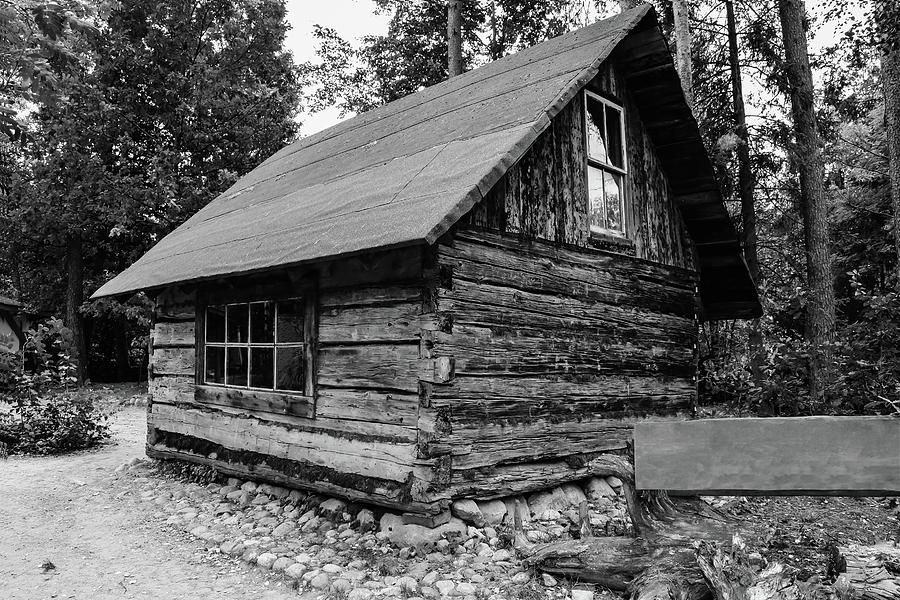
<point>174,334</point>
<point>368,405</point>
<point>372,366</point>
<point>257,400</point>
<point>850,456</point>
<point>169,389</point>
<point>396,322</point>
<point>172,361</point>
<point>378,456</point>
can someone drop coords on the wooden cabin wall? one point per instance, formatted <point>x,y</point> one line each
<point>556,351</point>
<point>363,440</point>
<point>544,195</point>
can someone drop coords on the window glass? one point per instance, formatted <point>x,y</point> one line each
<point>236,321</point>
<point>262,367</point>
<point>614,136</point>
<point>596,130</point>
<point>215,324</point>
<point>597,199</point>
<point>612,188</point>
<point>289,368</point>
<point>215,364</point>
<point>236,366</point>
<point>290,321</point>
<point>262,323</point>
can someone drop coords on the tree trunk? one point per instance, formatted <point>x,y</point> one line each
<point>122,367</point>
<point>745,187</point>
<point>683,48</point>
<point>74,298</point>
<point>890,75</point>
<point>628,4</point>
<point>454,38</point>
<point>807,155</point>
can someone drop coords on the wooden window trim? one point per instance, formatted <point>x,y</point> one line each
<point>300,404</point>
<point>603,234</point>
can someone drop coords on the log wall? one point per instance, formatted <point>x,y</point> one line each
<point>557,351</point>
<point>544,195</point>
<point>362,440</point>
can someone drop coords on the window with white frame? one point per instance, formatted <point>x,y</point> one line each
<point>605,125</point>
<point>257,345</point>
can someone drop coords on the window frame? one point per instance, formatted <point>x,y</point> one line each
<point>250,345</point>
<point>601,166</point>
<point>300,403</point>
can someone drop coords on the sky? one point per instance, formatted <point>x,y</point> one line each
<point>352,19</point>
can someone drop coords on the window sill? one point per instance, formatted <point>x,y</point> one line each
<point>613,243</point>
<point>281,403</point>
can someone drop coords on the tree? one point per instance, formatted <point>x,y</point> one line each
<point>888,19</point>
<point>454,39</point>
<point>807,155</point>
<point>183,98</point>
<point>683,47</point>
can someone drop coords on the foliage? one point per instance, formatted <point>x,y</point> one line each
<point>46,415</point>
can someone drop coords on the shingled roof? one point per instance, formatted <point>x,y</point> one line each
<point>405,172</point>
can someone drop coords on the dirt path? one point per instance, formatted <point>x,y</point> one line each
<point>70,510</point>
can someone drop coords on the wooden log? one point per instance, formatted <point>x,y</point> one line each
<point>866,572</point>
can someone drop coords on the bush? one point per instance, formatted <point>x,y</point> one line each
<point>53,424</point>
<point>45,415</point>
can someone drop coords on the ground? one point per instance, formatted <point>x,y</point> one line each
<point>67,510</point>
<point>140,533</point>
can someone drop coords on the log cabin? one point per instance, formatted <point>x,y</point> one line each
<point>468,292</point>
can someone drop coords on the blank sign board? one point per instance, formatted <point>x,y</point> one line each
<point>840,456</point>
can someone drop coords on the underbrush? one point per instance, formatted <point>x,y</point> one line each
<point>42,412</point>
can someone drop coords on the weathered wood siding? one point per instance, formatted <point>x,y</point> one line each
<point>544,195</point>
<point>556,351</point>
<point>363,440</point>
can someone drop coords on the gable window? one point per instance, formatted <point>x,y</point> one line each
<point>258,346</point>
<point>605,127</point>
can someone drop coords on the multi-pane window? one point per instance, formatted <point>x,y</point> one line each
<point>257,345</point>
<point>606,164</point>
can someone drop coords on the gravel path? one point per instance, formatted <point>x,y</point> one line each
<point>69,510</point>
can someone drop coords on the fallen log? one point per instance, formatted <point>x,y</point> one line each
<point>866,572</point>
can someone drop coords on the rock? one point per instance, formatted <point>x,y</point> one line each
<point>548,580</point>
<point>266,560</point>
<point>281,565</point>
<point>614,482</point>
<point>521,578</point>
<point>582,595</point>
<point>493,511</point>
<point>501,555</point>
<point>553,499</point>
<point>468,511</point>
<point>332,568</point>
<point>332,508</point>
<point>403,535</point>
<point>283,529</point>
<point>360,594</point>
<point>549,515</point>
<point>366,520</point>
<point>273,490</point>
<point>341,586</point>
<point>296,496</point>
<point>320,582</point>
<point>465,588</point>
<point>573,493</point>
<point>597,488</point>
<point>445,587</point>
<point>248,486</point>
<point>295,570</point>
<point>407,584</point>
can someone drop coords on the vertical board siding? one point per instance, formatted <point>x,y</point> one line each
<point>557,350</point>
<point>544,195</point>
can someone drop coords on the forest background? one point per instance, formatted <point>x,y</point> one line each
<point>120,119</point>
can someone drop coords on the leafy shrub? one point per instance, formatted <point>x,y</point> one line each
<point>53,424</point>
<point>45,415</point>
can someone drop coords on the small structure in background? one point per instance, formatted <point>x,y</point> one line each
<point>13,323</point>
<point>471,292</point>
